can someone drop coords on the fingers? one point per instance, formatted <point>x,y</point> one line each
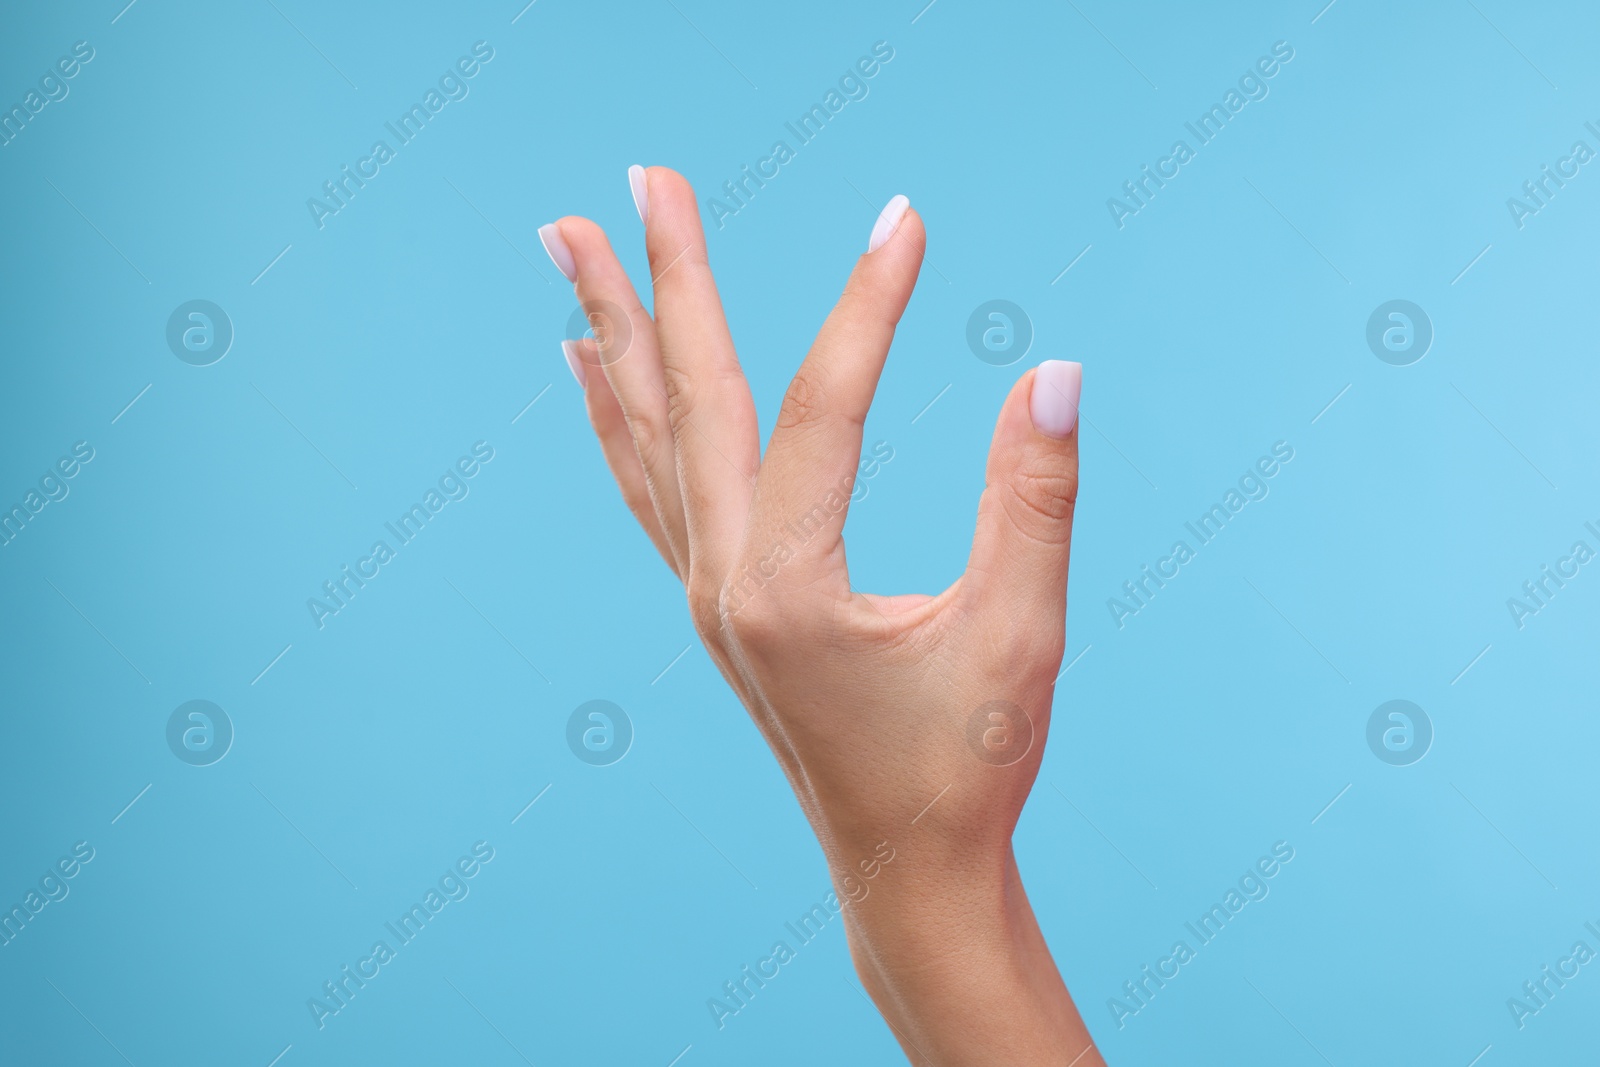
<point>708,401</point>
<point>628,355</point>
<point>1024,535</point>
<point>804,487</point>
<point>616,443</point>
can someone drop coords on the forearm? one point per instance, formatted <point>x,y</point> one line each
<point>957,964</point>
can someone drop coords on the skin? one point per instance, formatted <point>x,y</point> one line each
<point>865,700</point>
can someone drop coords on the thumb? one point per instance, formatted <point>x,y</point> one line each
<point>1024,536</point>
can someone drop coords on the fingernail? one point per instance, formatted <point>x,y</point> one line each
<point>1057,385</point>
<point>888,221</point>
<point>641,199</point>
<point>555,247</point>
<point>574,361</point>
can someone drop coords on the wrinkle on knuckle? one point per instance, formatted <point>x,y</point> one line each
<point>802,404</point>
<point>683,396</point>
<point>807,408</point>
<point>1044,498</point>
<point>648,438</point>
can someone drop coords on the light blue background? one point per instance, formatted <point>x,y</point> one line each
<point>1221,319</point>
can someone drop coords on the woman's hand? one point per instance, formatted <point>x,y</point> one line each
<point>911,726</point>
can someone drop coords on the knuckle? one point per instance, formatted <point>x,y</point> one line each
<point>802,403</point>
<point>705,605</point>
<point>682,396</point>
<point>649,436</point>
<point>754,625</point>
<point>806,408</point>
<point>760,606</point>
<point>1041,498</point>
<point>1028,651</point>
<point>746,604</point>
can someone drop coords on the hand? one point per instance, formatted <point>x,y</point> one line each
<point>914,722</point>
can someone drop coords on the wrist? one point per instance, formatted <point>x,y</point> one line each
<point>954,958</point>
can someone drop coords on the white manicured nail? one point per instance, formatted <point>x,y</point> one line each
<point>574,361</point>
<point>888,221</point>
<point>1057,386</point>
<point>641,199</point>
<point>555,246</point>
